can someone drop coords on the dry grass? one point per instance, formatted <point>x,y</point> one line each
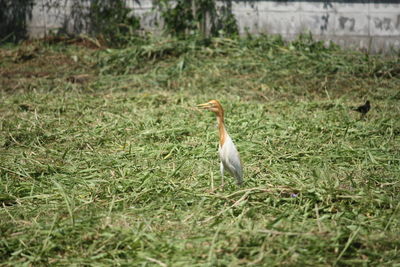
<point>118,167</point>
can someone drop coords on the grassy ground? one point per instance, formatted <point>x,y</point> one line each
<point>106,161</point>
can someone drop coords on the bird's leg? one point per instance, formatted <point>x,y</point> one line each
<point>221,166</point>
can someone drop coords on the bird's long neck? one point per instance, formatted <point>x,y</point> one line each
<point>221,129</point>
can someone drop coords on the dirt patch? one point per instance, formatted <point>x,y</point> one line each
<point>34,66</point>
<point>82,41</point>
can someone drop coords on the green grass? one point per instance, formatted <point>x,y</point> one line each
<point>120,168</point>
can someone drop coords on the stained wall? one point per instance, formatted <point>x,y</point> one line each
<point>371,25</point>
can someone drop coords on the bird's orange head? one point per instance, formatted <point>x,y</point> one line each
<point>216,107</point>
<point>213,106</point>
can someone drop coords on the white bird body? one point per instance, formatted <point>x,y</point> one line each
<point>230,159</point>
<point>228,154</point>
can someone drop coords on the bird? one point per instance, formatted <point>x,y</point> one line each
<point>363,109</point>
<point>228,154</point>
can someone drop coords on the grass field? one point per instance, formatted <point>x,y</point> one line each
<point>104,159</point>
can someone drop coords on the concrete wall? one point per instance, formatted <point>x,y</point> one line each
<point>69,15</point>
<point>372,25</point>
<point>367,25</point>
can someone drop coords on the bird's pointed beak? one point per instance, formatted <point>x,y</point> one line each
<point>204,106</point>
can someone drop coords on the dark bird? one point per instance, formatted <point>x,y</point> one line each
<point>363,109</point>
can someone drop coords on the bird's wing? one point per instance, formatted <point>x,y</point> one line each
<point>232,160</point>
<point>237,167</point>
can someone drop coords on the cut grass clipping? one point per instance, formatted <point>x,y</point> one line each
<point>105,159</point>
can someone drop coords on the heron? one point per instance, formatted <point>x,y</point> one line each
<point>228,154</point>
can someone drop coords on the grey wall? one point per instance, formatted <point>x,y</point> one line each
<point>69,15</point>
<point>358,24</point>
<point>372,25</point>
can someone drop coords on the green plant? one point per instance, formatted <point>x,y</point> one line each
<point>113,21</point>
<point>13,17</point>
<point>184,18</point>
